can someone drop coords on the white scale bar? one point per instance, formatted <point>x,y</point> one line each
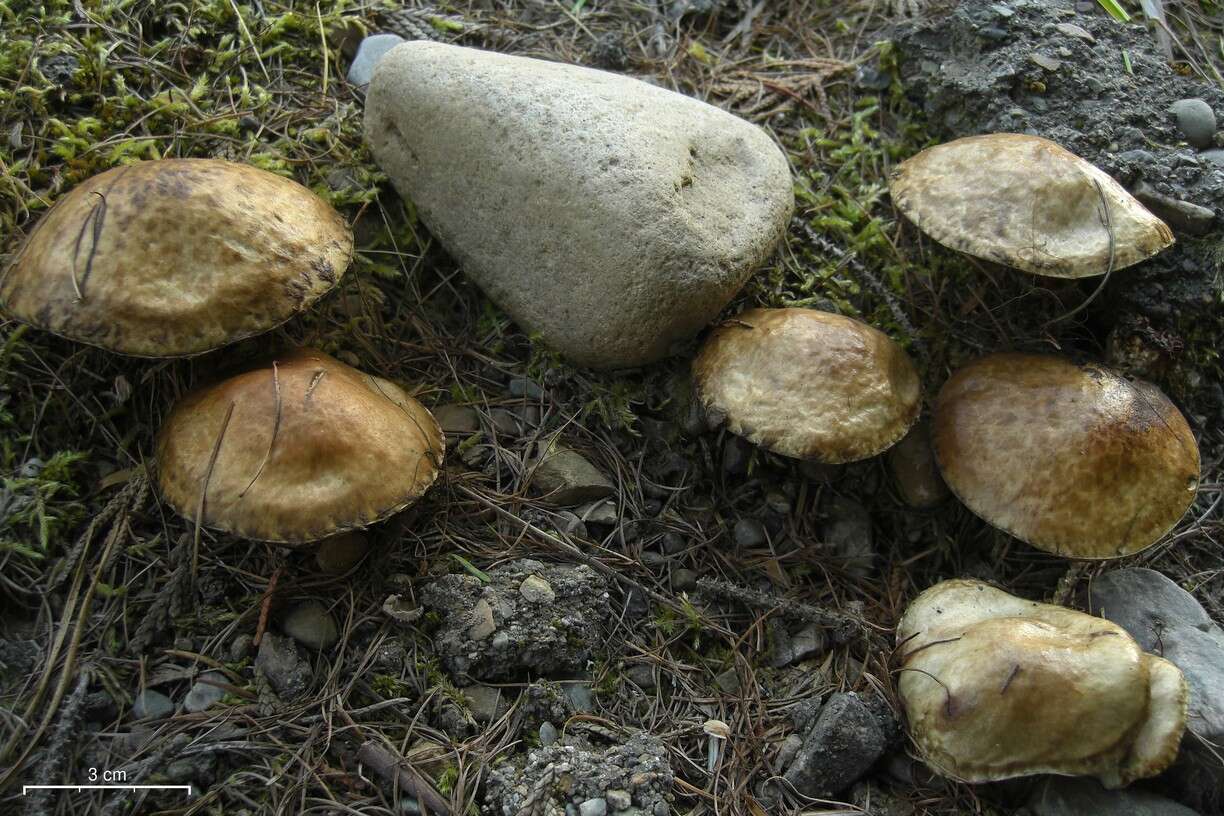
<point>25,789</point>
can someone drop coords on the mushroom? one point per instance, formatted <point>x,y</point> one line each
<point>1026,202</point>
<point>297,450</point>
<point>1072,459</point>
<point>176,257</point>
<point>996,687</point>
<point>808,384</point>
<point>718,733</point>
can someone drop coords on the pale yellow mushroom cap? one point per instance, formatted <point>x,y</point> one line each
<point>1025,202</point>
<point>305,447</point>
<point>176,257</point>
<point>1073,459</point>
<point>808,384</point>
<point>996,687</point>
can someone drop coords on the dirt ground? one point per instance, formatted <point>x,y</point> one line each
<point>105,591</point>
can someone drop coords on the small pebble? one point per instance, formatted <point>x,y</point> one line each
<point>371,50</point>
<point>310,625</point>
<point>1196,120</point>
<point>548,734</point>
<point>683,579</point>
<point>535,589</point>
<point>749,533</point>
<point>205,692</point>
<point>593,807</point>
<point>150,704</point>
<point>619,800</point>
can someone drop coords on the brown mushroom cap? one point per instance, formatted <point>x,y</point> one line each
<point>995,687</point>
<point>1073,459</point>
<point>305,447</point>
<point>1025,202</point>
<point>808,384</point>
<point>176,257</point>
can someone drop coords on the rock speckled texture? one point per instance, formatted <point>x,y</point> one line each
<point>844,740</point>
<point>612,217</point>
<point>1166,620</point>
<point>577,776</point>
<point>1073,459</point>
<point>531,632</point>
<point>1057,796</point>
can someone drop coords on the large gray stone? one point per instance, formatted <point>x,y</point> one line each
<point>612,217</point>
<point>844,741</point>
<point>1166,620</point>
<point>1062,796</point>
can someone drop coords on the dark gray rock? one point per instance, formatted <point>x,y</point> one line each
<point>1063,796</point>
<point>532,632</point>
<point>151,705</point>
<point>566,478</point>
<point>1166,620</point>
<point>485,703</point>
<point>684,580</point>
<point>847,532</point>
<point>372,49</point>
<point>311,625</point>
<point>736,454</point>
<point>457,421</point>
<point>1182,216</point>
<point>523,387</point>
<point>17,658</point>
<point>1196,120</point>
<point>749,533</point>
<point>282,665</point>
<point>842,744</point>
<point>205,692</point>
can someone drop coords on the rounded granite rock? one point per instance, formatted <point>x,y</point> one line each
<point>612,218</point>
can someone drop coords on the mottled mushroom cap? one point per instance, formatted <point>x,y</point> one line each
<point>808,384</point>
<point>1073,459</point>
<point>1025,202</point>
<point>305,447</point>
<point>176,257</point>
<point>996,687</point>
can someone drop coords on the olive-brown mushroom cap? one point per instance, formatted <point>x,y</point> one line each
<point>995,687</point>
<point>1072,459</point>
<point>305,447</point>
<point>808,384</point>
<point>176,257</point>
<point>1025,202</point>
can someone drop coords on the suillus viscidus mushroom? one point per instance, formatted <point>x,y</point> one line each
<point>1071,458</point>
<point>1026,202</point>
<point>297,450</point>
<point>808,384</point>
<point>176,257</point>
<point>995,687</point>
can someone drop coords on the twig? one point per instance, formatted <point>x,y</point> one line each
<point>844,626</point>
<point>398,771</point>
<point>265,606</point>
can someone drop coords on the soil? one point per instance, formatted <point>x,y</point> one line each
<point>1103,90</point>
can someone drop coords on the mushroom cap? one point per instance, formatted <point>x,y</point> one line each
<point>176,257</point>
<point>1072,459</point>
<point>305,447</point>
<point>808,384</point>
<point>1025,202</point>
<point>995,687</point>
